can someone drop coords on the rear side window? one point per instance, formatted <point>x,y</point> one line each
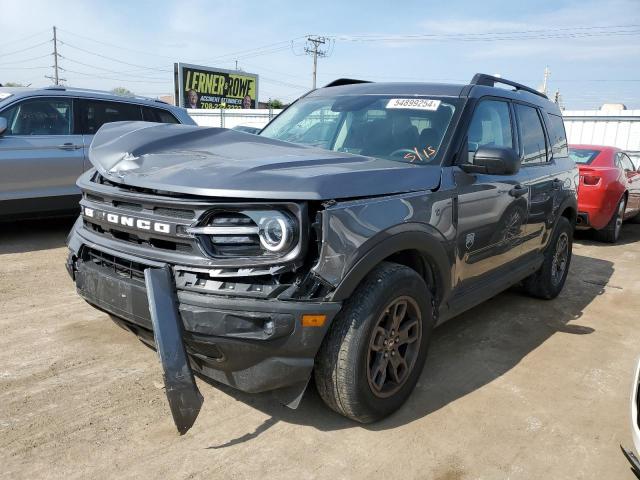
<point>627,164</point>
<point>95,113</point>
<point>558,136</point>
<point>532,136</point>
<point>490,126</point>
<point>583,156</point>
<point>150,114</point>
<point>40,116</point>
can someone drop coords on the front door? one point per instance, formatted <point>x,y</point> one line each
<point>40,156</point>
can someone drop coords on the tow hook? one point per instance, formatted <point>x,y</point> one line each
<point>185,400</point>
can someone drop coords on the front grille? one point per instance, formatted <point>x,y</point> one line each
<point>120,266</point>
<point>124,236</point>
<point>185,229</point>
<point>175,213</point>
<point>238,241</point>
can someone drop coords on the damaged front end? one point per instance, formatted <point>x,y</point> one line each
<point>190,277</point>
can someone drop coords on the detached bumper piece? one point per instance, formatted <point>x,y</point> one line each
<point>633,460</point>
<point>182,392</point>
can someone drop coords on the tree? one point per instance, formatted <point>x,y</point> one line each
<point>275,103</point>
<point>13,84</point>
<point>123,92</point>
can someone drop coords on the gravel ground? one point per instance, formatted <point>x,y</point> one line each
<point>515,388</point>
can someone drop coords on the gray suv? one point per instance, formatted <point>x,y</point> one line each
<point>331,243</point>
<point>44,138</point>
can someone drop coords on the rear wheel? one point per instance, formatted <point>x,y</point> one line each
<point>611,232</point>
<point>549,280</point>
<point>371,359</point>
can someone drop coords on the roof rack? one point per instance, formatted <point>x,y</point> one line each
<point>345,81</point>
<point>99,92</point>
<point>490,81</point>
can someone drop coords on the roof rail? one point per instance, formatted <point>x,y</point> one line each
<point>101,92</point>
<point>345,81</point>
<point>490,81</point>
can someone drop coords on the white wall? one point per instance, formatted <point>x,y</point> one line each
<point>616,128</point>
<point>230,118</point>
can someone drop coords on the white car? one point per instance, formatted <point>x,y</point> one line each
<point>635,427</point>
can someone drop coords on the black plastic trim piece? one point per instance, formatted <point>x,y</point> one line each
<point>182,392</point>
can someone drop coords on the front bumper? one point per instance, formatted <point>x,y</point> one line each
<point>254,345</point>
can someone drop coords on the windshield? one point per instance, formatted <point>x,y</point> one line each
<point>402,129</point>
<point>583,156</point>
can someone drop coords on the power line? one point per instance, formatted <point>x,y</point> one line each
<point>68,59</point>
<point>114,59</point>
<point>475,36</point>
<point>118,79</point>
<point>6,54</point>
<point>13,62</point>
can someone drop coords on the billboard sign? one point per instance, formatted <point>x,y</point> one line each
<point>205,87</point>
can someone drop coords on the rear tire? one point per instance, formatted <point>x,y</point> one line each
<point>611,232</point>
<point>548,281</point>
<point>372,356</point>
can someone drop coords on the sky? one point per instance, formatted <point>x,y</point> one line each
<point>591,48</point>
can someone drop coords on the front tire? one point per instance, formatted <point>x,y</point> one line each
<point>372,357</point>
<point>548,281</point>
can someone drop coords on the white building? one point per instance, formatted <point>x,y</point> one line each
<point>616,128</point>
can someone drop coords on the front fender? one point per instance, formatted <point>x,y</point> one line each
<point>425,239</point>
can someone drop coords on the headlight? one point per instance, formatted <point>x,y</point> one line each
<point>247,233</point>
<point>275,231</point>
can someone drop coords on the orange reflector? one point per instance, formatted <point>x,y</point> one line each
<point>313,320</point>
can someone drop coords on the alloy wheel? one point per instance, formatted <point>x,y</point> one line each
<point>560,259</point>
<point>394,346</point>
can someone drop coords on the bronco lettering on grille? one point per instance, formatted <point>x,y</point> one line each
<point>127,221</point>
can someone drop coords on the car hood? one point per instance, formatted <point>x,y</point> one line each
<point>226,163</point>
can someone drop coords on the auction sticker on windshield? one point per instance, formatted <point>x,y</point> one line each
<point>414,103</point>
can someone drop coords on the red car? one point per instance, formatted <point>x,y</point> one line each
<point>609,189</point>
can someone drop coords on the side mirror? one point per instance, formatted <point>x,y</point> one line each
<point>3,125</point>
<point>494,161</point>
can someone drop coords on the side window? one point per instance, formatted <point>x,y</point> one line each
<point>150,114</point>
<point>627,164</point>
<point>96,113</point>
<point>558,136</point>
<point>532,136</point>
<point>490,126</point>
<point>40,116</point>
<point>618,160</point>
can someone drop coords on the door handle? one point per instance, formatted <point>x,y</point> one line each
<point>518,191</point>
<point>69,146</point>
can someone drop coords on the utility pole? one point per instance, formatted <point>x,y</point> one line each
<point>313,49</point>
<point>56,77</point>
<point>547,73</point>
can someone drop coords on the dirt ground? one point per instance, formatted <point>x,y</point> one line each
<point>515,388</point>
